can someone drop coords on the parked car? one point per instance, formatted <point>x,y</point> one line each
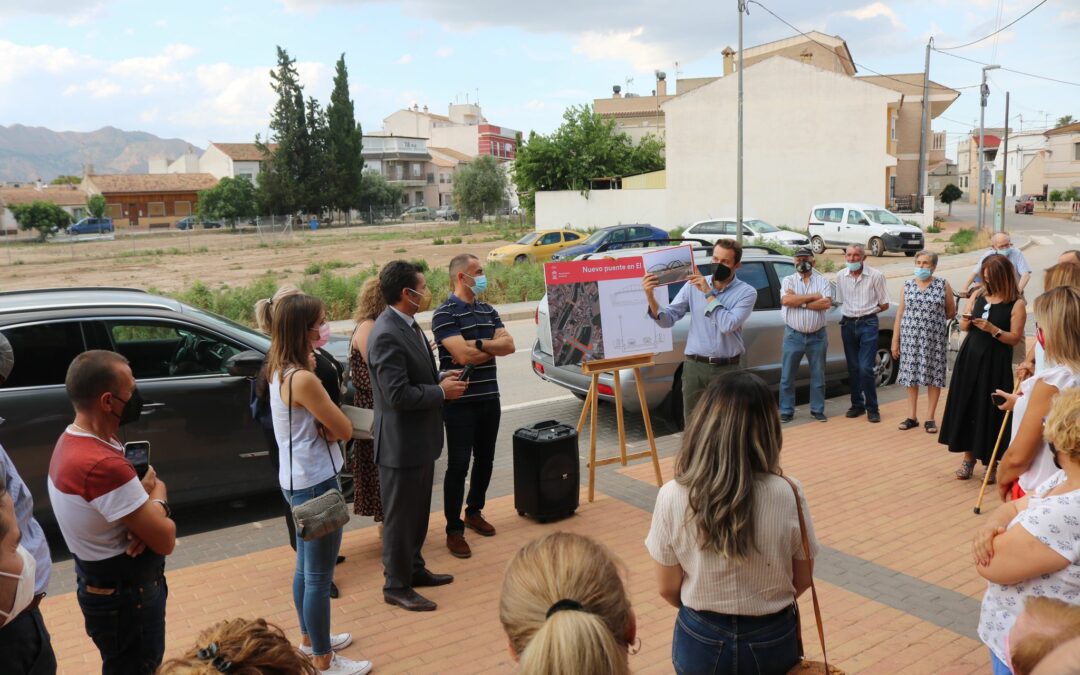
<point>1026,203</point>
<point>838,225</point>
<point>191,222</point>
<point>615,236</point>
<point>447,213</point>
<point>91,226</point>
<point>535,246</point>
<point>763,335</point>
<point>418,213</point>
<point>754,231</point>
<point>194,371</point>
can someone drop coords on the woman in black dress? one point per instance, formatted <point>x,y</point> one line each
<point>994,321</point>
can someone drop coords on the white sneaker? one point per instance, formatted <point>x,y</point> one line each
<point>340,665</point>
<point>337,642</point>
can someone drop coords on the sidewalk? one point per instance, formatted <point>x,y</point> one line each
<point>898,591</point>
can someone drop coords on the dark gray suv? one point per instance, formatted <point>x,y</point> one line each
<point>193,369</point>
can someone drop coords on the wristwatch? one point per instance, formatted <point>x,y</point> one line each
<point>164,505</point>
<point>802,306</point>
<point>998,333</point>
<point>480,345</point>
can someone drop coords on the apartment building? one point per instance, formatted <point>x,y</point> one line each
<point>463,129</point>
<point>1062,168</point>
<point>967,160</point>
<point>1023,164</point>
<point>406,162</point>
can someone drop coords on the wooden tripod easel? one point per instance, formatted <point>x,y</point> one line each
<point>613,366</point>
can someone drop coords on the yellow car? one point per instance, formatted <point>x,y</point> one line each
<point>535,246</point>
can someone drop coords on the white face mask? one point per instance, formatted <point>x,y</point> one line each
<point>24,591</point>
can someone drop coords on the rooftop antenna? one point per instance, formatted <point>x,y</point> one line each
<point>677,71</point>
<point>629,81</point>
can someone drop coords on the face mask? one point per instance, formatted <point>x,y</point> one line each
<point>425,299</point>
<point>722,273</point>
<point>854,267</point>
<point>804,267</point>
<point>922,273</point>
<point>479,284</point>
<point>24,590</point>
<point>324,336</point>
<point>132,407</point>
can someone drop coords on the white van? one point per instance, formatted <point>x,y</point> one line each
<point>837,225</point>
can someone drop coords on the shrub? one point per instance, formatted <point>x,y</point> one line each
<point>1056,196</point>
<point>967,240</point>
<point>676,233</point>
<point>1070,195</point>
<point>316,268</point>
<point>455,240</point>
<point>437,241</point>
<point>826,265</point>
<point>232,303</point>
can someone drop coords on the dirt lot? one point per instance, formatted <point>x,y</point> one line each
<point>171,261</point>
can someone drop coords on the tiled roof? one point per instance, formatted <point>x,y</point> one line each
<point>1066,129</point>
<point>452,154</point>
<point>59,195</point>
<point>151,182</point>
<point>243,152</point>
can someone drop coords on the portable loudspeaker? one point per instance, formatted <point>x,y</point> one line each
<point>546,471</point>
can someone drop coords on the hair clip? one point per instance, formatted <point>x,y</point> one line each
<point>565,603</point>
<point>210,653</point>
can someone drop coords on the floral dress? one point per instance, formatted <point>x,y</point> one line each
<point>366,500</point>
<point>923,339</point>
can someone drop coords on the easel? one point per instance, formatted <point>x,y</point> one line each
<point>613,366</point>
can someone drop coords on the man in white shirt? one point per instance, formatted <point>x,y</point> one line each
<point>862,294</point>
<point>1001,244</point>
<point>805,298</point>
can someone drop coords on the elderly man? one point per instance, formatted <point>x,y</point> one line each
<point>805,298</point>
<point>861,291</point>
<point>1001,244</point>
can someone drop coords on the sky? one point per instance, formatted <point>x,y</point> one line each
<point>198,70</point>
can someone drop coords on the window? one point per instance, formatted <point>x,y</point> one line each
<point>754,274</point>
<point>247,176</point>
<point>833,215</point>
<point>892,128</point>
<point>418,198</point>
<point>417,170</point>
<point>783,269</point>
<point>444,177</point>
<point>155,209</point>
<point>399,172</point>
<point>43,352</point>
<point>550,238</point>
<point>1014,189</point>
<point>728,227</point>
<point>1076,152</point>
<point>854,217</point>
<point>570,236</point>
<point>618,235</point>
<point>709,227</point>
<point>181,208</point>
<point>114,211</point>
<point>160,349</point>
<point>431,179</point>
<point>892,187</point>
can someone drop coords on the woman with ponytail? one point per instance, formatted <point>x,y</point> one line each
<point>565,610</point>
<point>726,537</point>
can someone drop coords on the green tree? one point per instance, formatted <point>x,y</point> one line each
<point>314,160</point>
<point>378,193</point>
<point>282,174</point>
<point>1064,119</point>
<point>345,166</point>
<point>95,206</point>
<point>66,180</point>
<point>949,195</point>
<point>231,199</point>
<point>479,187</point>
<point>586,146</point>
<point>45,217</point>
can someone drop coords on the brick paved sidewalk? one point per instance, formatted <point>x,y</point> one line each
<point>898,590</point>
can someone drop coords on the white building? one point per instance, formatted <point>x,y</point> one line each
<point>1023,165</point>
<point>71,198</point>
<point>221,160</point>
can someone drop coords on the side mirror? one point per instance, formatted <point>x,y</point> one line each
<point>245,364</point>
<point>538,243</point>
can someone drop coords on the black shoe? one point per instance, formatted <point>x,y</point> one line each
<point>820,417</point>
<point>787,418</point>
<point>408,599</point>
<point>426,577</point>
<point>874,416</point>
<point>855,412</point>
<point>333,590</point>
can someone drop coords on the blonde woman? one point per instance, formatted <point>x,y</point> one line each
<point>726,539</point>
<point>1065,273</point>
<point>565,610</point>
<point>1028,461</point>
<point>241,647</point>
<point>369,305</point>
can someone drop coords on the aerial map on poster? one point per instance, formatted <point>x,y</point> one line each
<point>598,310</point>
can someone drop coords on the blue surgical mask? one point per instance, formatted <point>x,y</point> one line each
<point>479,283</point>
<point>923,273</point>
<point>854,267</point>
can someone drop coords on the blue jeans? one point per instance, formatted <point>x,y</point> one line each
<point>997,667</point>
<point>860,348</point>
<point>315,561</point>
<point>706,642</point>
<point>127,624</point>
<point>813,345</point>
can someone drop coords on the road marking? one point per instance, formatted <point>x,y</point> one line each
<point>1070,240</point>
<point>1043,241</point>
<point>543,401</point>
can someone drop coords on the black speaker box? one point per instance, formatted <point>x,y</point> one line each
<point>546,472</point>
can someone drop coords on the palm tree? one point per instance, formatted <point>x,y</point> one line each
<point>1064,119</point>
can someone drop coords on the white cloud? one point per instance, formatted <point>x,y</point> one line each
<point>874,10</point>
<point>18,61</point>
<point>99,88</point>
<point>232,96</point>
<point>404,60</point>
<point>624,46</point>
<point>444,52</point>
<point>535,104</point>
<point>160,69</point>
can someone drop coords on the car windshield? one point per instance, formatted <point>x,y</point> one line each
<point>760,226</point>
<point>596,237</point>
<point>882,217</point>
<point>261,341</point>
<point>528,239</point>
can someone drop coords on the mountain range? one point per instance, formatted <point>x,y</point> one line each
<point>29,153</point>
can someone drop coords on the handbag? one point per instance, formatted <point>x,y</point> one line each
<point>806,666</point>
<point>324,514</point>
<point>363,422</point>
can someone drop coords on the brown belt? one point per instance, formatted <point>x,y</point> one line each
<point>715,360</point>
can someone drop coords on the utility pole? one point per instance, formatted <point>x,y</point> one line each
<point>922,127</point>
<point>739,150</point>
<point>999,223</point>
<point>984,91</point>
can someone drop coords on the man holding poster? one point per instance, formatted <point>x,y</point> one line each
<point>718,309</point>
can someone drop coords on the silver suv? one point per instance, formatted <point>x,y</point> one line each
<point>763,335</point>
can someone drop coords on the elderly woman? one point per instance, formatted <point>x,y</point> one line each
<point>1028,548</point>
<point>919,338</point>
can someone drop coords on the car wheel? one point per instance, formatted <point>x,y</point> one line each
<point>877,247</point>
<point>886,367</point>
<point>521,259</point>
<point>818,245</point>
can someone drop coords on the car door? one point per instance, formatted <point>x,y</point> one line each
<point>548,244</point>
<point>855,227</point>
<point>763,334</point>
<point>203,441</point>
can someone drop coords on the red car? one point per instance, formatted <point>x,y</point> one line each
<point>1026,203</point>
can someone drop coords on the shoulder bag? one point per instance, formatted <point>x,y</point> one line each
<point>806,666</point>
<point>363,419</point>
<point>324,514</point>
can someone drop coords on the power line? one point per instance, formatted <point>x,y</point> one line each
<point>1006,26</point>
<point>1008,70</point>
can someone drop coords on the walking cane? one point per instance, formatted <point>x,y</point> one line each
<point>993,455</point>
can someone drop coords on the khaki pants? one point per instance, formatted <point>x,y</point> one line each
<point>696,376</point>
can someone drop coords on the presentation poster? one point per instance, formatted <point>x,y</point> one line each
<point>598,310</point>
<point>670,265</point>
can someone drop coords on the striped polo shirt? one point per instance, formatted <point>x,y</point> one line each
<point>799,318</point>
<point>476,321</point>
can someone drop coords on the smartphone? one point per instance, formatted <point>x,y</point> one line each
<point>998,399</point>
<point>138,453</point>
<point>467,372</point>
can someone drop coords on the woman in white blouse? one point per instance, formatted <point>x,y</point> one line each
<point>726,539</point>
<point>1031,547</point>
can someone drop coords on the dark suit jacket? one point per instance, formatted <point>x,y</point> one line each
<point>408,399</point>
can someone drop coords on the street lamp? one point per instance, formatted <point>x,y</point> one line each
<point>985,92</point>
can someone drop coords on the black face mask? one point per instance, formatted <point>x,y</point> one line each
<point>804,267</point>
<point>132,408</point>
<point>722,273</point>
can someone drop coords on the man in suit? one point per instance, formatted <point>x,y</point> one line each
<point>409,392</point>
